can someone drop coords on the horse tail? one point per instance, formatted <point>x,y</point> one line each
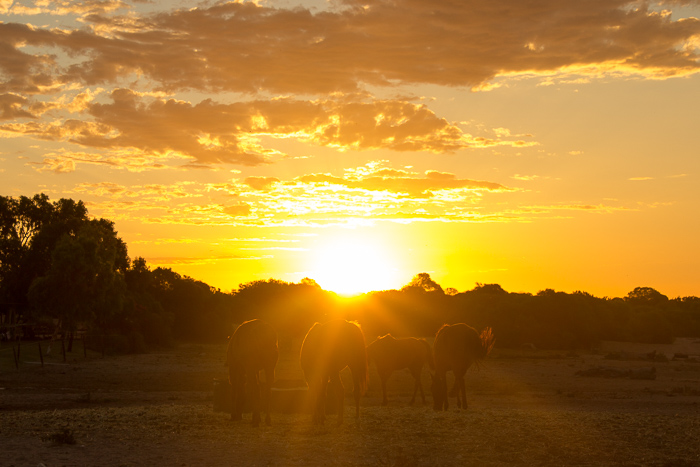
<point>485,343</point>
<point>428,353</point>
<point>358,347</point>
<point>487,340</point>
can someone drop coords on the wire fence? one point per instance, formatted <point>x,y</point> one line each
<point>56,347</point>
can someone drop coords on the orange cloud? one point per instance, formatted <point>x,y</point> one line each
<point>236,210</point>
<point>245,47</point>
<point>211,133</point>
<point>11,107</point>
<point>261,183</point>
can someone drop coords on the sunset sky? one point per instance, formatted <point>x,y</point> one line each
<point>545,144</point>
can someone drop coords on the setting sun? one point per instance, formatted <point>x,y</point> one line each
<point>350,267</point>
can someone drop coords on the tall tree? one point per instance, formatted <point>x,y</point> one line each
<point>29,231</point>
<point>423,282</point>
<point>85,280</point>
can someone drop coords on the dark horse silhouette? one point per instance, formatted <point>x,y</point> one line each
<point>391,354</point>
<point>326,350</point>
<point>456,348</point>
<point>252,348</point>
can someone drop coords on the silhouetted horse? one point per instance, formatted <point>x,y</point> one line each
<point>326,350</point>
<point>456,348</point>
<point>252,348</point>
<point>391,354</point>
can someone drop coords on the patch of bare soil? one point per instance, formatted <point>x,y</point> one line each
<point>527,407</point>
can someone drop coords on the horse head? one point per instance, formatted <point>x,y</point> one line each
<point>438,387</point>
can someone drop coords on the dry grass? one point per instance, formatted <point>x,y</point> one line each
<point>526,408</point>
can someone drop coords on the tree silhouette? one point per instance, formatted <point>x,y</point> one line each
<point>646,296</point>
<point>85,280</point>
<point>423,282</point>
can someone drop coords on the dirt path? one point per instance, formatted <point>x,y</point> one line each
<point>526,408</point>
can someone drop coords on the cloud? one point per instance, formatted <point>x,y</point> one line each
<point>150,193</point>
<point>59,7</point>
<point>11,107</point>
<point>408,186</point>
<point>165,261</point>
<point>68,161</point>
<point>261,183</point>
<point>5,6</point>
<point>360,196</point>
<point>236,210</point>
<point>366,194</point>
<point>595,208</point>
<point>229,133</point>
<point>210,133</point>
<point>246,47</point>
<point>525,178</point>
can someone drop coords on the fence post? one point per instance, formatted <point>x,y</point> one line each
<point>63,348</point>
<point>41,355</point>
<point>84,349</point>
<point>14,355</point>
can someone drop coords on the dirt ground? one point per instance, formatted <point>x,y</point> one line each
<point>526,407</point>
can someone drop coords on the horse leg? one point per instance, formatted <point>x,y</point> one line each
<point>461,392</point>
<point>416,385</point>
<point>383,376</point>
<point>464,394</point>
<point>446,403</point>
<point>237,383</point>
<point>420,386</point>
<point>254,382</point>
<point>237,395</point>
<point>339,390</point>
<point>320,410</point>
<point>356,393</point>
<point>269,380</point>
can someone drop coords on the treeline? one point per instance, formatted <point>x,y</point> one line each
<point>59,265</point>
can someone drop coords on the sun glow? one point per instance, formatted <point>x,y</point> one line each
<point>350,267</point>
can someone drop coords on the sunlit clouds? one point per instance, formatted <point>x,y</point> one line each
<point>365,194</point>
<point>243,47</point>
<point>210,133</point>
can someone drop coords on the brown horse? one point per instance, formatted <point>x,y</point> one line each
<point>391,354</point>
<point>456,348</point>
<point>326,350</point>
<point>252,348</point>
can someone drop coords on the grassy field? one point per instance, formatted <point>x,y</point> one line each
<point>526,407</point>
